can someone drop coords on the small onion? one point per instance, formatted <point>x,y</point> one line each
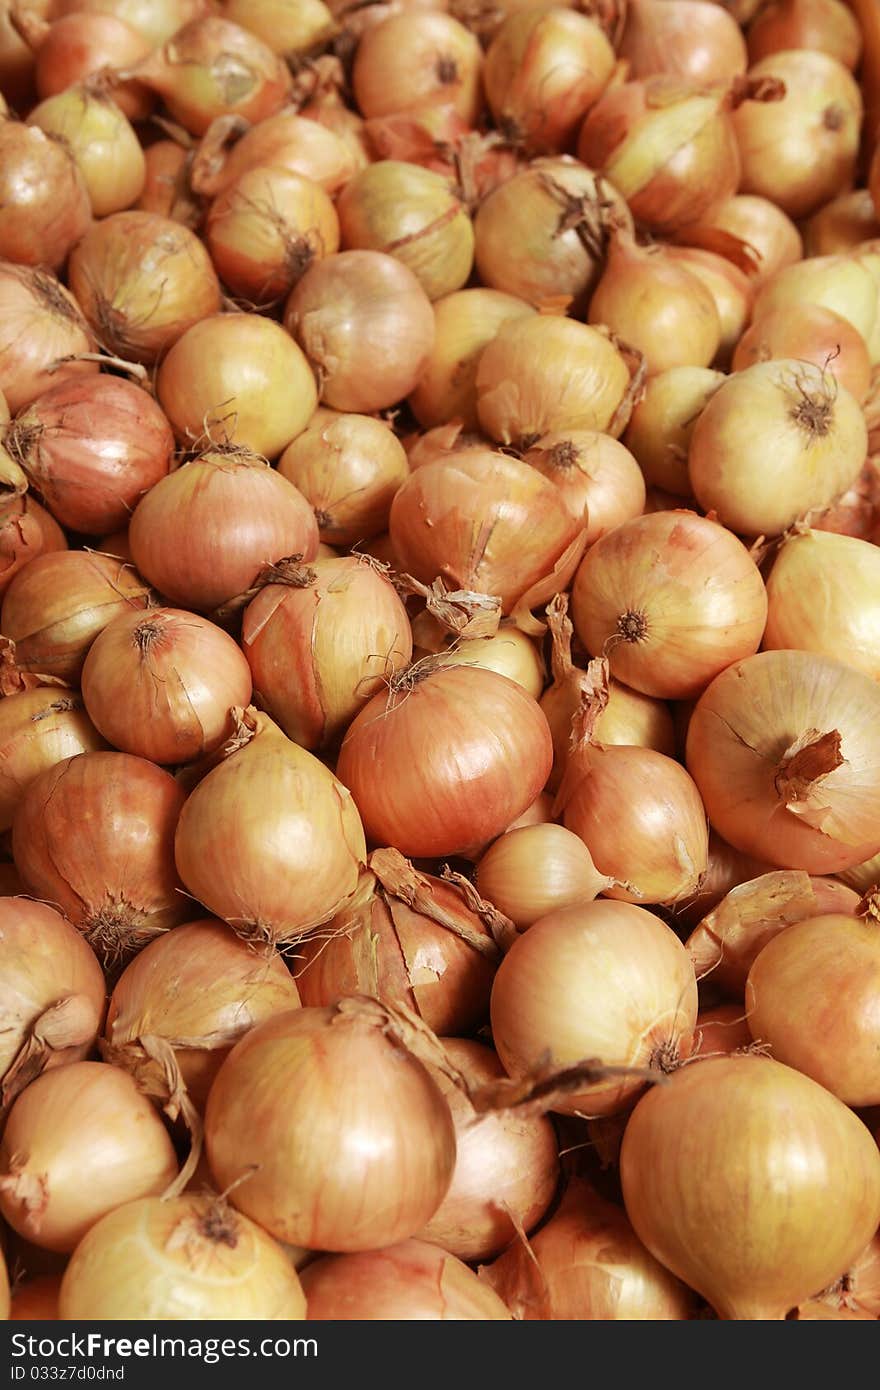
<point>725,1174</point>
<point>349,467</point>
<point>731,288</point>
<point>102,141</point>
<point>828,26</point>
<point>596,476</point>
<point>841,283</point>
<point>753,231</point>
<point>79,1142</point>
<point>510,652</point>
<point>785,749</point>
<point>824,596</point>
<point>160,685</point>
<point>723,1029</point>
<point>44,201</point>
<point>195,1259</point>
<point>39,728</point>
<point>414,58</point>
<point>79,45</point>
<point>809,333</point>
<point>842,224</point>
<point>601,980</point>
<point>727,868</point>
<point>95,835</point>
<point>537,869</point>
<point>283,141</point>
<point>40,323</point>
<point>659,432</point>
<point>352,1140</point>
<point>409,1282</point>
<point>690,39</point>
<point>27,530</point>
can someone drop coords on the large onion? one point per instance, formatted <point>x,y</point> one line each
<point>595,474</point>
<point>685,38</point>
<point>810,333</point>
<point>27,531</point>
<point>102,141</point>
<point>44,201</point>
<point>283,141</point>
<point>414,58</point>
<point>824,596</point>
<point>40,324</point>
<point>409,1282</point>
<point>537,869</point>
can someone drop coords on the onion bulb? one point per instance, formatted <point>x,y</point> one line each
<point>828,26</point>
<point>27,531</point>
<point>82,44</point>
<point>659,431</point>
<point>39,728</point>
<point>725,1173</point>
<point>689,39</point>
<point>842,283</point>
<point>510,652</point>
<point>842,224</point>
<point>289,27</point>
<point>157,20</point>
<point>409,1282</point>
<point>537,869</point>
<point>44,200</point>
<point>810,333</point>
<point>596,475</point>
<point>40,324</point>
<point>416,58</point>
<point>102,141</point>
<point>824,596</point>
<point>755,234</point>
<point>231,148</point>
<point>722,1029</point>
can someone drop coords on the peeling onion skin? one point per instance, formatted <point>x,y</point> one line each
<point>412,1281</point>
<point>39,728</point>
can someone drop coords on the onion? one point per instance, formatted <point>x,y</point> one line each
<point>600,980</point>
<point>411,939</point>
<point>465,322</point>
<point>44,201</point>
<point>157,20</point>
<point>587,1264</point>
<point>752,231</point>
<point>728,940</point>
<point>657,305</point>
<point>349,468</point>
<point>342,307</point>
<point>288,26</point>
<point>723,1029</point>
<point>160,685</point>
<point>812,998</point>
<point>417,58</point>
<point>483,521</point>
<point>55,608</point>
<point>842,224</point>
<point>510,652</point>
<point>783,747</point>
<point>660,429</point>
<point>809,333</point>
<point>79,1142</point>
<point>102,142</point>
<point>463,752</point>
<point>297,837</point>
<point>231,148</point>
<point>206,532</point>
<point>95,835</point>
<point>40,324</point>
<point>537,869</point>
<point>51,993</point>
<point>672,599</point>
<point>595,475</point>
<point>26,531</point>
<point>409,1282</point>
<point>92,447</point>
<point>863,878</point>
<point>826,26</point>
<point>79,45</point>
<point>266,228</point>
<point>320,640</point>
<point>690,39</point>
<point>802,150</point>
<point>542,234</point>
<point>821,593</point>
<point>195,1259</point>
<point>141,280</point>
<point>353,1141</point>
<point>167,188</point>
<point>840,283</point>
<point>36,1300</point>
<point>813,428</point>
<point>542,71</point>
<point>16,60</point>
<point>211,67</point>
<point>197,990</point>
<point>727,868</point>
<point>730,287</point>
<point>725,1178</point>
<point>39,728</point>
<point>545,373</point>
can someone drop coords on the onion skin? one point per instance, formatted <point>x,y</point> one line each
<point>283,141</point>
<point>297,1085</point>
<point>101,140</point>
<point>794,994</point>
<point>510,652</point>
<point>418,58</point>
<point>771,239</point>
<point>196,1260</point>
<point>810,333</point>
<point>44,201</point>
<point>842,283</point>
<point>725,1178</point>
<point>41,321</point>
<point>636,999</point>
<point>595,474</point>
<point>412,1281</point>
<point>534,870</point>
<point>463,752</point>
<point>825,25</point>
<point>660,428</point>
<point>842,224</point>
<point>739,751</point>
<point>723,1029</point>
<point>77,46</point>
<point>27,531</point>
<point>39,728</point>
<point>685,38</point>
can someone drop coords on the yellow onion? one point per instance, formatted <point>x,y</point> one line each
<point>810,333</point>
<point>725,1175</point>
<point>410,939</point>
<point>842,224</point>
<point>101,140</point>
<point>411,1281</point>
<point>723,1029</point>
<point>286,26</point>
<point>77,46</point>
<point>785,749</point>
<point>659,431</point>
<point>672,599</point>
<point>587,1264</point>
<point>595,474</point>
<point>412,214</point>
<point>196,990</point>
<point>729,285</point>
<point>536,869</point>
<point>349,468</point>
<point>231,147</point>
<point>506,1165</point>
<point>826,25</point>
<point>40,323</point>
<point>297,837</point>
<point>44,202</point>
<point>685,38</point>
<point>465,322</point>
<point>39,728</point>
<point>196,1259</point>
<point>841,283</point>
<point>858,1290</point>
<point>812,998</point>
<point>863,878</point>
<point>792,411</point>
<point>545,373</point>
<point>602,980</point>
<point>752,231</point>
<point>414,58</point>
<point>320,639</point>
<point>823,597</point>
<point>727,868</point>
<point>157,20</point>
<point>510,652</point>
<point>79,1142</point>
<point>51,993</point>
<point>342,1138</point>
<point>800,151</point>
<point>27,531</point>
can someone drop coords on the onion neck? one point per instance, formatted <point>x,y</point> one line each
<point>804,766</point>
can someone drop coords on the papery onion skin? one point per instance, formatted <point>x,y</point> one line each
<point>414,58</point>
<point>771,238</point>
<point>95,836</point>
<point>40,323</point>
<point>814,429</point>
<point>635,1003</point>
<point>96,1113</point>
<point>510,652</point>
<point>810,333</point>
<point>412,1281</point>
<point>747,1218</point>
<point>196,1260</point>
<point>842,283</point>
<point>464,752</point>
<point>44,201</point>
<point>161,684</point>
<point>727,867</point>
<point>742,752</point>
<point>372,1135</point>
<point>284,141</point>
<point>686,38</point>
<point>78,45</point>
<point>673,599</point>
<point>628,718</point>
<point>824,596</point>
<point>102,141</point>
<point>27,530</point>
<point>659,431</point>
<point>39,728</point>
<point>593,472</point>
<point>537,869</point>
<point>812,998</point>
